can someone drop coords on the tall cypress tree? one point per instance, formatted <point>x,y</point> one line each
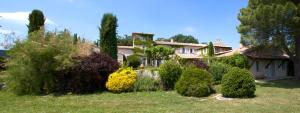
<point>108,35</point>
<point>36,20</point>
<point>75,38</point>
<point>211,49</point>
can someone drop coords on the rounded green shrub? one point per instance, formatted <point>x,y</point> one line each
<point>194,82</point>
<point>238,83</point>
<point>218,69</point>
<point>133,61</point>
<point>169,73</point>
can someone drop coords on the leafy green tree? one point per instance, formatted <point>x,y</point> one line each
<point>108,35</point>
<point>211,51</point>
<point>36,20</point>
<point>184,39</point>
<point>272,23</point>
<point>163,39</point>
<point>159,52</point>
<point>125,41</point>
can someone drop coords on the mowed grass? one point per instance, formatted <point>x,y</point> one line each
<point>273,97</point>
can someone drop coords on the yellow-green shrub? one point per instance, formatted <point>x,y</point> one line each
<point>121,80</point>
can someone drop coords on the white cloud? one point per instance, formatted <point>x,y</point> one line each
<point>190,29</point>
<point>4,31</point>
<point>70,1</point>
<point>19,17</point>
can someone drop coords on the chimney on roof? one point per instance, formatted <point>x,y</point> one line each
<point>219,42</point>
<point>172,40</point>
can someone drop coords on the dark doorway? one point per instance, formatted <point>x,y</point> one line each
<point>290,71</point>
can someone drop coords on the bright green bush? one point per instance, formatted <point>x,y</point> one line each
<point>34,61</point>
<point>236,60</point>
<point>238,83</point>
<point>133,61</point>
<point>146,83</point>
<point>121,80</point>
<point>169,73</point>
<point>218,69</point>
<point>194,82</point>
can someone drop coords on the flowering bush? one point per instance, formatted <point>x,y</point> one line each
<point>121,80</point>
<point>200,64</point>
<point>197,63</point>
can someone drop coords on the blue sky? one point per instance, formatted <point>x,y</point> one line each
<point>207,20</point>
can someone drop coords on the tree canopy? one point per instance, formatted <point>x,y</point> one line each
<point>272,23</point>
<point>36,20</point>
<point>125,41</point>
<point>108,35</point>
<point>184,38</point>
<point>159,52</point>
<point>163,39</point>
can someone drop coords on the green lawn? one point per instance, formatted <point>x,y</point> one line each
<point>274,97</point>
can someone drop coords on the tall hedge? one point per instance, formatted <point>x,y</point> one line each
<point>108,35</point>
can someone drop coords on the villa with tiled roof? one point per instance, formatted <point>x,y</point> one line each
<point>182,50</point>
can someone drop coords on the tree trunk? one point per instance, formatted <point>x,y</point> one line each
<point>297,58</point>
<point>297,69</point>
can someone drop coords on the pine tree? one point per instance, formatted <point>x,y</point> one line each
<point>36,20</point>
<point>272,23</point>
<point>108,35</point>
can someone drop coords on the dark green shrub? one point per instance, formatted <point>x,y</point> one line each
<point>238,83</point>
<point>146,83</point>
<point>133,61</point>
<point>194,82</point>
<point>2,64</point>
<point>217,70</point>
<point>88,76</point>
<point>169,73</point>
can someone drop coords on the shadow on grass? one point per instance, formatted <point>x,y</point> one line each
<point>77,94</point>
<point>287,84</point>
